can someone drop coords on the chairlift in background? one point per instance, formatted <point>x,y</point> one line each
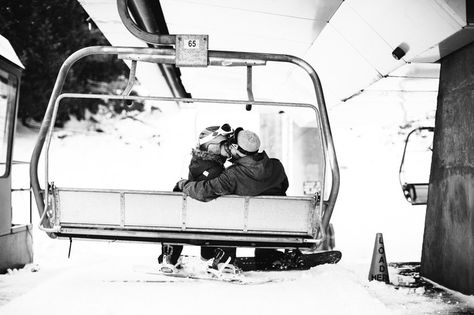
<point>416,193</point>
<point>165,216</point>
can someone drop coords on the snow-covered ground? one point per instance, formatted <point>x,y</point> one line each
<point>105,277</point>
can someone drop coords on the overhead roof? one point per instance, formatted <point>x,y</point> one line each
<point>349,43</point>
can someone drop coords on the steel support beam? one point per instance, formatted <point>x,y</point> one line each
<point>448,244</point>
<point>150,26</point>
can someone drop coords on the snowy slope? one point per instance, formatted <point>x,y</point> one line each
<point>104,277</point>
<point>100,278</point>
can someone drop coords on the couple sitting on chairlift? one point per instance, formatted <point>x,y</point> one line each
<point>252,173</point>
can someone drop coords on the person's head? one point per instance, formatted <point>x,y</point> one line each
<point>213,138</point>
<point>244,143</point>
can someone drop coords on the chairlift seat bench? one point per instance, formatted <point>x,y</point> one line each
<point>416,193</point>
<point>156,216</point>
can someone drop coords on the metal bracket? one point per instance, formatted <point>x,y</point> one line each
<point>49,211</point>
<point>130,83</point>
<point>183,213</point>
<point>248,107</point>
<point>246,213</point>
<point>122,209</point>
<point>45,229</point>
<point>320,235</point>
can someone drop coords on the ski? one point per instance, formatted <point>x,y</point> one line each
<point>240,279</point>
<point>193,269</point>
<point>188,270</point>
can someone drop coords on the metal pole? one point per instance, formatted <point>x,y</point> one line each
<point>248,107</point>
<point>133,28</point>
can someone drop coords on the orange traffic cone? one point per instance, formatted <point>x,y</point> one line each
<point>378,268</point>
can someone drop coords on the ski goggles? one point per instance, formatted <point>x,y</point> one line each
<point>223,130</point>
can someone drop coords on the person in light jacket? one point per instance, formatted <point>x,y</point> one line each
<point>207,162</point>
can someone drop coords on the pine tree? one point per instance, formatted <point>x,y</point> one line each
<point>44,34</point>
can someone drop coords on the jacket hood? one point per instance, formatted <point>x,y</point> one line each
<point>258,166</point>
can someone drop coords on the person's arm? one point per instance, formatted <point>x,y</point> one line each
<point>285,185</point>
<point>206,190</point>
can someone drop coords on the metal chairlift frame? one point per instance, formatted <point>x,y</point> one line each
<point>298,221</point>
<point>415,193</point>
<point>46,199</point>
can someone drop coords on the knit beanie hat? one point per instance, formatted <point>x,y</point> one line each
<point>248,142</point>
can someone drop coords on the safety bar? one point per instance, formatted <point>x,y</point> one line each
<point>131,78</point>
<point>168,56</point>
<point>166,99</point>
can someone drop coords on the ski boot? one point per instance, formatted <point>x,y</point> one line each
<point>293,259</point>
<point>290,260</point>
<point>168,263</point>
<point>220,266</point>
<point>270,259</point>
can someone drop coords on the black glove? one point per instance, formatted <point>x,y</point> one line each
<point>176,188</point>
<point>180,184</point>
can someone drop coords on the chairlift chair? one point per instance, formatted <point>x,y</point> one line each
<point>171,217</point>
<point>415,193</point>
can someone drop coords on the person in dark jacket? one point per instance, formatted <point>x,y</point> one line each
<point>207,162</point>
<point>251,174</point>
